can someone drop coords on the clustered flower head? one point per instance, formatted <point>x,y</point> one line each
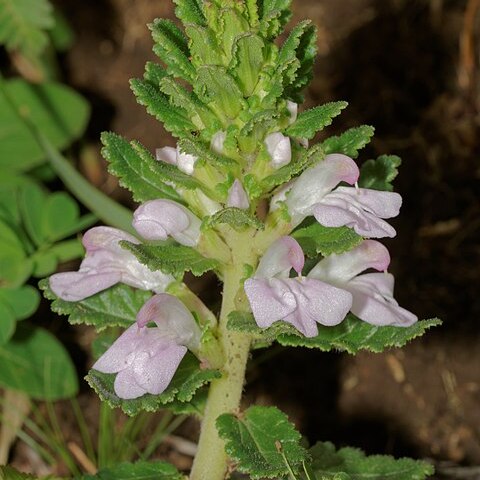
<point>146,356</point>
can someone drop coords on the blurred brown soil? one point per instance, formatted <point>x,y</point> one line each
<point>399,64</point>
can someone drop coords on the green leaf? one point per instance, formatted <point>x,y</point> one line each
<point>349,142</point>
<point>173,259</point>
<point>187,380</point>
<point>22,301</point>
<point>316,238</point>
<point>116,306</point>
<point>352,462</point>
<point>247,61</point>
<point>138,171</point>
<point>36,363</point>
<point>215,86</point>
<point>174,119</point>
<point>378,174</point>
<point>255,129</point>
<point>172,48</point>
<point>180,97</point>
<point>190,11</point>
<point>15,267</point>
<point>306,53</point>
<point>274,15</point>
<point>9,473</point>
<point>7,322</point>
<point>23,24</point>
<point>352,335</point>
<point>141,470</point>
<point>61,34</point>
<point>237,218</point>
<point>262,441</point>
<point>311,121</point>
<point>202,151</point>
<point>59,113</point>
<point>203,45</point>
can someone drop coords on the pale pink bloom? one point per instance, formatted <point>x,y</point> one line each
<point>159,219</point>
<point>183,161</point>
<point>146,359</point>
<point>237,196</point>
<point>363,209</point>
<point>372,293</point>
<point>105,264</point>
<point>302,302</point>
<point>292,108</point>
<point>217,142</point>
<point>279,149</point>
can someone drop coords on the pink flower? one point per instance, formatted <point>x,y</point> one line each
<point>159,219</point>
<point>183,161</point>
<point>363,209</point>
<point>146,359</point>
<point>105,264</point>
<point>302,302</point>
<point>237,196</point>
<point>279,148</point>
<point>372,293</point>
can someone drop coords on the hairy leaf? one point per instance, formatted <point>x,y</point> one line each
<point>355,465</point>
<point>174,119</point>
<point>187,380</point>
<point>378,174</point>
<point>59,113</point>
<point>352,335</point>
<point>36,363</point>
<point>173,259</point>
<point>138,171</point>
<point>23,25</point>
<point>215,86</point>
<point>349,142</point>
<point>262,441</point>
<point>247,61</point>
<point>141,470</point>
<point>274,15</point>
<point>237,218</point>
<point>190,11</point>
<point>203,45</point>
<point>116,306</point>
<point>172,48</point>
<point>196,147</point>
<point>316,238</point>
<point>311,121</point>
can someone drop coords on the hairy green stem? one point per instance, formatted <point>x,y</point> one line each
<point>225,393</point>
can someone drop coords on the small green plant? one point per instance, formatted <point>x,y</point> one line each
<point>230,94</point>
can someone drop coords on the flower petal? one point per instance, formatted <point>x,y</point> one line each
<point>339,269</point>
<point>173,319</point>
<point>292,108</point>
<point>119,355</point>
<point>373,301</point>
<point>270,299</point>
<point>185,161</point>
<point>361,210</point>
<point>314,183</point>
<point>167,155</point>
<point>237,196</point>
<point>126,387</point>
<point>279,148</point>
<point>317,302</point>
<point>283,255</point>
<point>106,238</point>
<point>76,286</point>
<point>158,219</point>
<point>216,144</point>
<point>156,372</point>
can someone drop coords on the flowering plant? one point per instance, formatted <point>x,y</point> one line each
<point>245,195</point>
